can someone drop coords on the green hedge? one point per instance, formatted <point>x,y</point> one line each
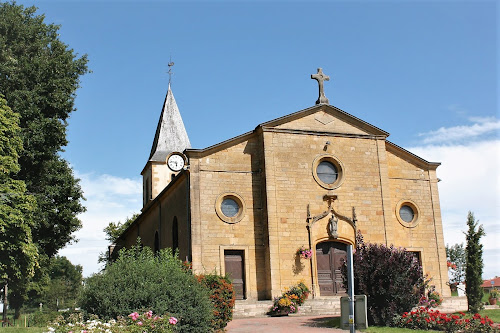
<point>140,280</point>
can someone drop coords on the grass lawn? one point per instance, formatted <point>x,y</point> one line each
<point>22,330</point>
<point>492,314</point>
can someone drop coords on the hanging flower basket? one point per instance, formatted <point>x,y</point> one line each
<point>304,253</point>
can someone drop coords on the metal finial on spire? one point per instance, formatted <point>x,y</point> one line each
<point>320,77</point>
<point>170,64</point>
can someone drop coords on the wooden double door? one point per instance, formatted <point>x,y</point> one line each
<point>330,256</point>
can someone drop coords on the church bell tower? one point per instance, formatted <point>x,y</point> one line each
<point>166,159</point>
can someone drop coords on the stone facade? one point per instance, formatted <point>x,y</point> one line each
<point>271,177</point>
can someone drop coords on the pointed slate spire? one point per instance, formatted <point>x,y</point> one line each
<point>170,134</point>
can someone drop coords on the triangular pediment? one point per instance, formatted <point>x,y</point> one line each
<point>325,119</point>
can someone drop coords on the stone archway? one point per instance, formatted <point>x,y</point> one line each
<point>329,258</point>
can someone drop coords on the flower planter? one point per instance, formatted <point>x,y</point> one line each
<point>493,301</point>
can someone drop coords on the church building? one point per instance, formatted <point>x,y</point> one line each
<point>307,180</point>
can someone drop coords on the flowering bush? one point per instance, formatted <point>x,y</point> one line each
<point>432,299</point>
<point>451,265</point>
<point>283,305</point>
<point>298,292</point>
<point>428,319</point>
<point>290,300</point>
<point>135,323</point>
<point>304,253</point>
<point>222,297</point>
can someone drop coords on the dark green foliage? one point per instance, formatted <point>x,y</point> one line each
<point>390,277</point>
<point>39,75</point>
<point>42,319</point>
<point>455,254</point>
<point>113,231</point>
<point>140,280</point>
<point>222,297</point>
<point>474,264</point>
<point>64,285</point>
<point>18,254</point>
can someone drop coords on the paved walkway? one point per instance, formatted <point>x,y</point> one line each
<point>290,324</point>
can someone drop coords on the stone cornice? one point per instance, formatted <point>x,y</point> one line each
<point>410,157</point>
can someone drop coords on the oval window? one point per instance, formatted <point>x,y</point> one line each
<point>230,207</point>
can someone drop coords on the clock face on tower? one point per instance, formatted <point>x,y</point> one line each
<point>175,162</point>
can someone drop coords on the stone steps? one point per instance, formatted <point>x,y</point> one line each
<point>311,307</point>
<point>327,306</point>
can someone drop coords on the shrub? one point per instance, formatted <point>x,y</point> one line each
<point>222,297</point>
<point>41,319</point>
<point>140,280</point>
<point>390,277</point>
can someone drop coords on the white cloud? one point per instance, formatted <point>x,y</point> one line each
<point>470,182</point>
<point>481,126</point>
<point>109,199</point>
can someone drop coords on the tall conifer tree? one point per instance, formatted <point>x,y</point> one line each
<point>474,264</point>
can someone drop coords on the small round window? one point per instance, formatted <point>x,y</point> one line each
<point>407,213</point>
<point>328,171</point>
<point>230,207</point>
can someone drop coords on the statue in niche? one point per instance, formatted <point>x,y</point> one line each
<point>333,227</point>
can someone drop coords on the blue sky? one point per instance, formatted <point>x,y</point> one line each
<point>424,71</point>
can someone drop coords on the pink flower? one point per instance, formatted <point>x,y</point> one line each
<point>139,323</point>
<point>149,314</point>
<point>172,320</point>
<point>134,316</point>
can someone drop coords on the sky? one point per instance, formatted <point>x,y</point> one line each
<point>424,71</point>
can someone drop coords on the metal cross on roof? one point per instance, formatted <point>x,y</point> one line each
<point>320,77</point>
<point>170,64</point>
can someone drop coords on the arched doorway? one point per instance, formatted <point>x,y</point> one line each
<point>329,258</point>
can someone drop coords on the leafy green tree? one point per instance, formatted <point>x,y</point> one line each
<point>474,264</point>
<point>18,254</point>
<point>39,75</point>
<point>65,284</point>
<point>113,231</point>
<point>455,255</point>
